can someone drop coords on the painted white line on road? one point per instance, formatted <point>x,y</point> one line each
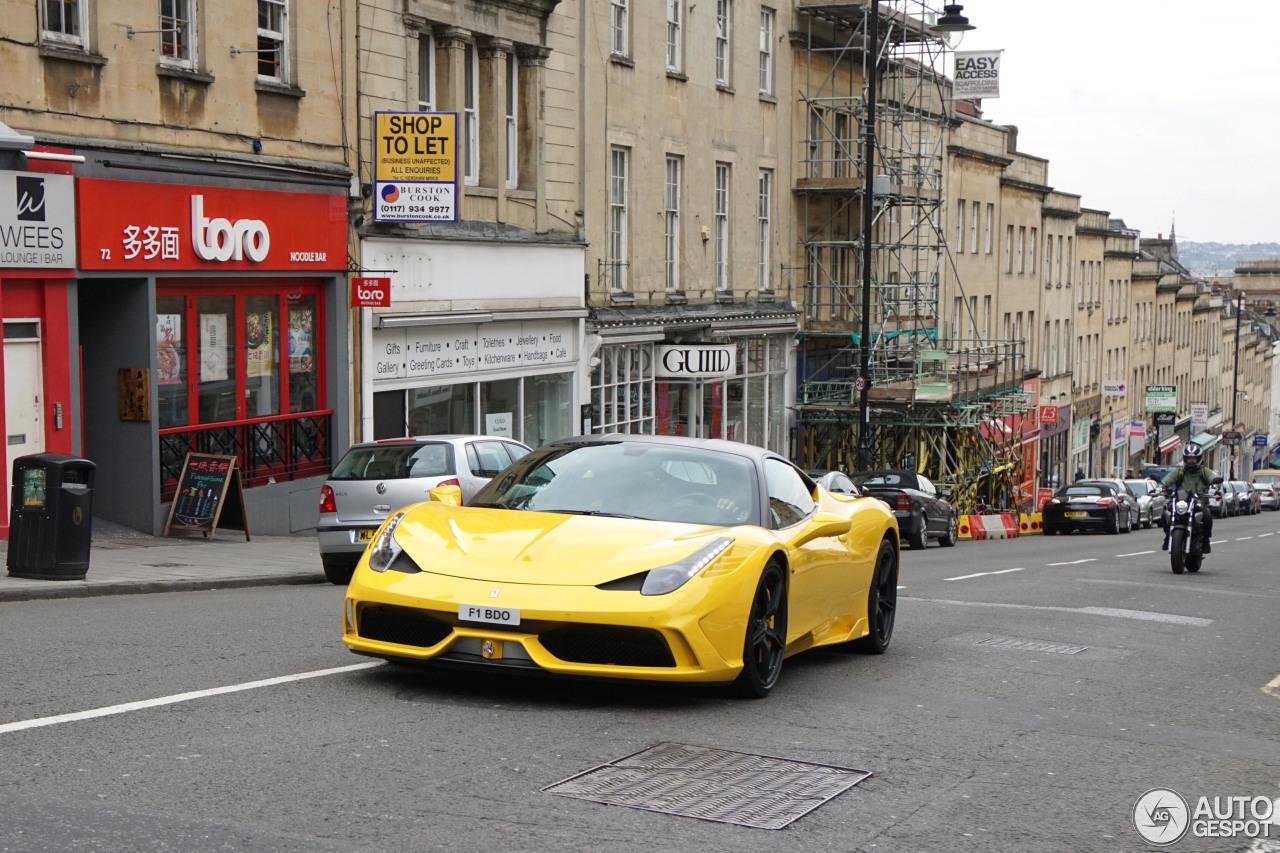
<point>1263,535</point>
<point>1136,554</point>
<point>981,574</point>
<point>1073,562</point>
<point>1216,541</point>
<point>5,728</point>
<point>1272,687</point>
<point>1144,615</point>
<point>1242,538</point>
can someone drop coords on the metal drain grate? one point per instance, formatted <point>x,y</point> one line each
<point>1032,645</point>
<point>712,784</point>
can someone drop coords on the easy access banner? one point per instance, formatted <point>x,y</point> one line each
<point>136,225</point>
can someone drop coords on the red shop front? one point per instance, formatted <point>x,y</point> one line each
<point>232,299</point>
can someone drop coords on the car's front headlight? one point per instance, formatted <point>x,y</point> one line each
<point>671,577</point>
<point>384,549</point>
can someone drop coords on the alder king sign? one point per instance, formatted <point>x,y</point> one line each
<point>468,349</point>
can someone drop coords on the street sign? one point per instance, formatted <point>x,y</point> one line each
<point>860,384</point>
<point>1232,436</point>
<point>1162,398</point>
<point>1260,439</point>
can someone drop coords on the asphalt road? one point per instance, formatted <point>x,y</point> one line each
<point>1034,691</point>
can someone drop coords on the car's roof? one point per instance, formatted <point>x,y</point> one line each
<point>718,445</point>
<point>453,438</point>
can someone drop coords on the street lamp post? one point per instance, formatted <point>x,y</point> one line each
<point>952,21</point>
<point>1235,382</point>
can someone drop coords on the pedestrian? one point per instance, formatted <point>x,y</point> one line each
<point>1128,475</point>
<point>1079,475</point>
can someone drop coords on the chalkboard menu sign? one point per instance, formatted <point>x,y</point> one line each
<point>209,494</point>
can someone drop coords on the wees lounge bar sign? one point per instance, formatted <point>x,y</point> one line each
<point>37,221</point>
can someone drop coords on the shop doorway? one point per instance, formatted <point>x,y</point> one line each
<point>694,409</point>
<point>23,393</point>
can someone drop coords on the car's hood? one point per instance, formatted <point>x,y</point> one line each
<point>510,546</point>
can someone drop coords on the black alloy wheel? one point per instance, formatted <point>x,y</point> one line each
<point>766,640</point>
<point>882,602</point>
<point>952,535</point>
<point>919,538</point>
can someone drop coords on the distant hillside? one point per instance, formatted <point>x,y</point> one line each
<point>1207,259</point>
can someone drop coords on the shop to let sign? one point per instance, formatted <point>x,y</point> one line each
<point>415,168</point>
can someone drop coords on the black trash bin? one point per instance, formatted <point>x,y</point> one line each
<point>50,517</point>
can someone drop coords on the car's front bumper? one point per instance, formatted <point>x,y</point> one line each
<point>692,635</point>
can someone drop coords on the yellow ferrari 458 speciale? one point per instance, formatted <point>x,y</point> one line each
<point>635,557</point>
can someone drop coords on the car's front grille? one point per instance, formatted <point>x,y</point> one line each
<point>404,626</point>
<point>608,645</point>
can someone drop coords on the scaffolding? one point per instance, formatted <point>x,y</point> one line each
<point>952,409</point>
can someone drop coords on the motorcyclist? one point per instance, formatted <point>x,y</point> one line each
<point>1193,476</point>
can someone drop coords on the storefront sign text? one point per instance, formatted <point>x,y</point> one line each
<point>37,220</point>
<point>466,350</point>
<point>696,362</point>
<point>370,292</point>
<point>415,173</point>
<point>135,225</point>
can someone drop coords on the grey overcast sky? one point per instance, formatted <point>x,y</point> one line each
<point>1159,111</point>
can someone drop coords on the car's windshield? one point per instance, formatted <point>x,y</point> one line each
<point>393,461</point>
<point>1083,490</point>
<point>631,479</point>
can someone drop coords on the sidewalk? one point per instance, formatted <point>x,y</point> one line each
<point>123,561</point>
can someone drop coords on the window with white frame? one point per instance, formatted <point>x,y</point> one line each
<point>674,45</point>
<point>723,55</point>
<point>1008,248</point>
<point>1031,250</point>
<point>177,33</point>
<point>66,23</point>
<point>973,228</point>
<point>1022,249</point>
<point>471,115</point>
<point>722,226</point>
<point>426,72</point>
<point>764,205</point>
<point>617,260</point>
<point>960,226</point>
<point>513,122</point>
<point>986,233</point>
<point>619,28</point>
<point>767,18</point>
<point>273,40</point>
<point>671,223</point>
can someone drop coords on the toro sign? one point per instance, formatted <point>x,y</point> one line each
<point>370,293</point>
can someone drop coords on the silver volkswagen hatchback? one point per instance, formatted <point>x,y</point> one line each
<point>376,478</point>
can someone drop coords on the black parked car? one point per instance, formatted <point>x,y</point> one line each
<point>922,513</point>
<point>1092,505</point>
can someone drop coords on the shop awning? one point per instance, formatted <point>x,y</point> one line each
<point>1207,440</point>
<point>1170,444</point>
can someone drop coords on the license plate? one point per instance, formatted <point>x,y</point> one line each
<point>489,614</point>
<point>365,535</point>
<point>1075,515</point>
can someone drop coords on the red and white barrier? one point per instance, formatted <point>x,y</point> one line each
<point>1000,526</point>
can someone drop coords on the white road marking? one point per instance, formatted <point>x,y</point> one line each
<point>1136,554</point>
<point>5,728</point>
<point>1074,562</point>
<point>1261,535</point>
<point>1273,687</point>
<point>1242,538</point>
<point>1216,541</point>
<point>981,574</point>
<point>1145,615</point>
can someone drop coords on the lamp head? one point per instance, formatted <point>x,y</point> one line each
<point>952,21</point>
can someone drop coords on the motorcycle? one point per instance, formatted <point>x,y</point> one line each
<point>1182,524</point>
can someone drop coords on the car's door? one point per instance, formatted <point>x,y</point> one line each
<point>935,513</point>
<point>818,566</point>
<point>484,459</point>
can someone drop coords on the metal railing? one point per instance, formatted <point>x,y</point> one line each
<point>267,450</point>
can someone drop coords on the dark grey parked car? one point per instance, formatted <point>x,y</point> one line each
<point>376,478</point>
<point>922,513</point>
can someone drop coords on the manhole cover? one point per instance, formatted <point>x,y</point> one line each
<point>712,784</point>
<point>1032,645</point>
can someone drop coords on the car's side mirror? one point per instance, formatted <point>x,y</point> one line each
<point>451,495</point>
